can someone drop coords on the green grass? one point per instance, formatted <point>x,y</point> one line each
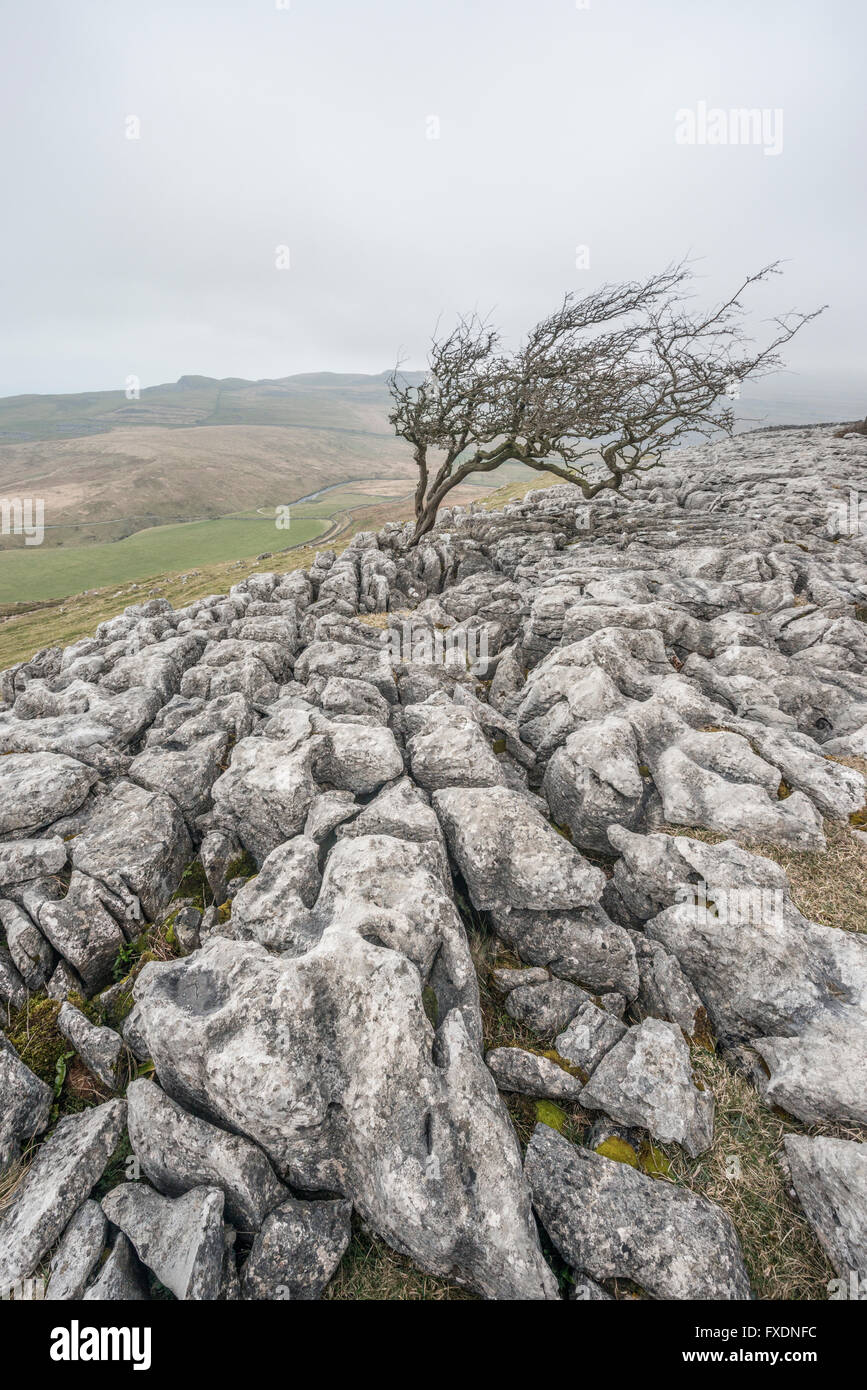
<point>36,573</point>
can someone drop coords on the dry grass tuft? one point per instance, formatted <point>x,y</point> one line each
<point>371,1272</point>
<point>11,1180</point>
<point>383,620</point>
<point>829,886</point>
<point>742,1172</point>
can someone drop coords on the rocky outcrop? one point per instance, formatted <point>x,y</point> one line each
<point>262,842</point>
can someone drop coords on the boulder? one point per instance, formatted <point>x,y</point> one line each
<point>611,1222</point>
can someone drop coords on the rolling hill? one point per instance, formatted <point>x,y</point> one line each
<point>188,472</point>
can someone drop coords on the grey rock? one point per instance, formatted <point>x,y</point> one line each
<point>400,809</point>
<point>613,1004</point>
<point>509,855</point>
<point>13,991</point>
<point>218,851</point>
<point>187,921</point>
<point>830,1178</point>
<point>77,1254</point>
<point>24,859</point>
<point>448,748</point>
<point>31,954</point>
<point>664,991</point>
<point>354,757</point>
<point>297,1250</point>
<point>65,982</point>
<point>591,1033</point>
<point>180,1239</point>
<point>327,812</point>
<point>274,907</point>
<point>594,781</point>
<point>397,891</point>
<point>25,1105</point>
<point>646,1079</point>
<point>821,1075</point>
<point>326,1060</point>
<point>267,792</point>
<point>585,947</point>
<point>528,1074</point>
<point>186,775</point>
<point>121,1279</point>
<point>794,990</point>
<point>60,1177</point>
<point>178,1151</point>
<point>136,843</point>
<point>545,1007</point>
<point>38,788</point>
<point>511,977</point>
<point>83,932</point>
<point>99,1048</point>
<point>611,1222</point>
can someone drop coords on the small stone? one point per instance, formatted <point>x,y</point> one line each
<point>99,1048</point>
<point>181,1240</point>
<point>591,1034</point>
<point>531,1075</point>
<point>297,1250</point>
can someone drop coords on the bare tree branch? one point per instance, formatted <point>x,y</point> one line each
<point>606,383</point>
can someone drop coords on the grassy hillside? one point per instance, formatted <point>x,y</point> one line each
<point>25,628</point>
<point>176,492</point>
<point>38,573</point>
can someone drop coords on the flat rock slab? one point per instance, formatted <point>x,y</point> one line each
<point>646,1080</point>
<point>611,1222</point>
<point>75,1258</point>
<point>25,1105</point>
<point>60,1177</point>
<point>135,841</point>
<point>21,860</point>
<point>38,788</point>
<point>830,1178</point>
<point>265,795</point>
<point>528,1074</point>
<point>510,855</point>
<point>180,1239</point>
<point>178,1151</point>
<point>297,1250</point>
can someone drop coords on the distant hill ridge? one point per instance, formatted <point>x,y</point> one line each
<point>317,399</point>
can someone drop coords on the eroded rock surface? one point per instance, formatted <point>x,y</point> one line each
<point>374,821</point>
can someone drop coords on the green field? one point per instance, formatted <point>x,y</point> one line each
<point>41,573</point>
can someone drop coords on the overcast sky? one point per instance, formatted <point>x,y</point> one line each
<point>309,127</point>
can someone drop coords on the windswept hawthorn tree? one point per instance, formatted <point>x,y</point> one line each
<point>596,391</point>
